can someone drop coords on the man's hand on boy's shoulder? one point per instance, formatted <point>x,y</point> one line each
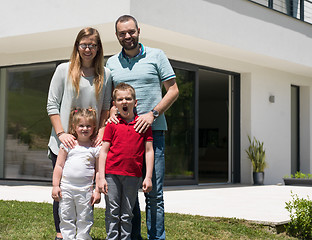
<point>143,122</point>
<point>112,116</point>
<point>112,119</point>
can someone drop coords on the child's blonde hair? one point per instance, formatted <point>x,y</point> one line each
<point>75,116</point>
<point>124,87</point>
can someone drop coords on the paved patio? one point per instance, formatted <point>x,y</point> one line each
<point>264,204</point>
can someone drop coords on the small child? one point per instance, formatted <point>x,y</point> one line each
<point>120,164</point>
<point>73,177</point>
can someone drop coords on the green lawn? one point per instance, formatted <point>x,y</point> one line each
<point>29,220</point>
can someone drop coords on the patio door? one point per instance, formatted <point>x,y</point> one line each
<point>214,152</point>
<point>295,154</point>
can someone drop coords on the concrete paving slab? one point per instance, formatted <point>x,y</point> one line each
<point>264,204</point>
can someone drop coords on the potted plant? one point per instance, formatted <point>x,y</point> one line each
<point>256,154</point>
<point>299,179</point>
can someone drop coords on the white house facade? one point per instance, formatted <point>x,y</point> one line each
<point>243,68</point>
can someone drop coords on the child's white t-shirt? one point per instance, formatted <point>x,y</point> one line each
<point>79,168</point>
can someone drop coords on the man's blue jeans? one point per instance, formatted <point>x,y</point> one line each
<point>155,214</point>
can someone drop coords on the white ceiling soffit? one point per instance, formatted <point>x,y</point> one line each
<point>176,45</point>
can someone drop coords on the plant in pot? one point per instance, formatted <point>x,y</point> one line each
<point>299,178</point>
<point>256,154</point>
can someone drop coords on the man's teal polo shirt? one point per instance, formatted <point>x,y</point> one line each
<point>145,73</point>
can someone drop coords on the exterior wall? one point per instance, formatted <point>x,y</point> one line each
<point>305,131</point>
<point>39,31</point>
<point>270,50</point>
<point>270,122</point>
<point>239,42</point>
<point>45,16</point>
<point>241,30</point>
<point>246,106</point>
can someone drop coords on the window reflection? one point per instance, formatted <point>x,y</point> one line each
<point>28,126</point>
<point>179,151</point>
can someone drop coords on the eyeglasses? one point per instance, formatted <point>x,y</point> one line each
<point>85,46</point>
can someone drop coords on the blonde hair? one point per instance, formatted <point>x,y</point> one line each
<point>124,87</point>
<point>76,115</point>
<point>98,61</point>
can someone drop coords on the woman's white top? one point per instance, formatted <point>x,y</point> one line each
<point>62,98</point>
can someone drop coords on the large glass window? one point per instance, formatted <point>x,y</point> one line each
<point>295,8</point>
<point>27,126</point>
<point>290,7</point>
<point>27,123</point>
<point>262,2</point>
<point>308,11</point>
<point>180,137</point>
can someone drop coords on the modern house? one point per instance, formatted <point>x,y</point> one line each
<point>243,68</point>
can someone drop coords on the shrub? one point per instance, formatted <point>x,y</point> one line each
<point>25,137</point>
<point>300,175</point>
<point>300,210</point>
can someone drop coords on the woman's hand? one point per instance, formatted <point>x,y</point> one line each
<point>56,193</point>
<point>68,140</point>
<point>98,140</point>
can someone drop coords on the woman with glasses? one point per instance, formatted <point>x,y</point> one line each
<point>83,82</point>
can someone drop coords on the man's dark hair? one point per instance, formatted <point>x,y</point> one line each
<point>125,18</point>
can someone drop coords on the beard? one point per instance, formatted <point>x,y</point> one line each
<point>133,45</point>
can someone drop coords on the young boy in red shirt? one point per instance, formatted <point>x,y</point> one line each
<point>120,164</point>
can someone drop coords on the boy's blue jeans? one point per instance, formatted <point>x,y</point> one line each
<point>155,214</point>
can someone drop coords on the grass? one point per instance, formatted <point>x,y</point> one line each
<point>29,220</point>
